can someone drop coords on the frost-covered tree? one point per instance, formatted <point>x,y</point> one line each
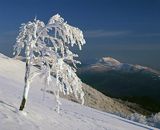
<point>47,46</point>
<point>137,118</point>
<point>154,120</point>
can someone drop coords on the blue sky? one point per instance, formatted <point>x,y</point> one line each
<point>128,30</point>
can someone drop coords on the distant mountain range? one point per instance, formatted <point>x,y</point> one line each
<point>108,63</point>
<point>130,82</point>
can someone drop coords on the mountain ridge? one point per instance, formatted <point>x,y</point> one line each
<point>135,83</point>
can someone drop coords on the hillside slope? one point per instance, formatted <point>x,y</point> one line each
<point>93,98</point>
<point>40,114</point>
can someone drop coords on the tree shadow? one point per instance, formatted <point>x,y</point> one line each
<point>14,109</point>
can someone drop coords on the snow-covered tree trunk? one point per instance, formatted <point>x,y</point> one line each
<point>26,80</point>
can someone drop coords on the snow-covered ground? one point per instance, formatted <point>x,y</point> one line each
<point>40,113</point>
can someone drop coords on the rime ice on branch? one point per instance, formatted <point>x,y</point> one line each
<point>47,46</point>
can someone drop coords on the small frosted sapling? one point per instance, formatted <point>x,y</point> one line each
<point>47,46</point>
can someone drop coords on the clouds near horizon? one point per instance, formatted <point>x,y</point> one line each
<point>103,33</point>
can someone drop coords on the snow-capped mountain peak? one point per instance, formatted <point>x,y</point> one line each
<point>109,61</point>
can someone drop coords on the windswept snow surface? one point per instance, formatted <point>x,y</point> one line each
<point>40,114</point>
